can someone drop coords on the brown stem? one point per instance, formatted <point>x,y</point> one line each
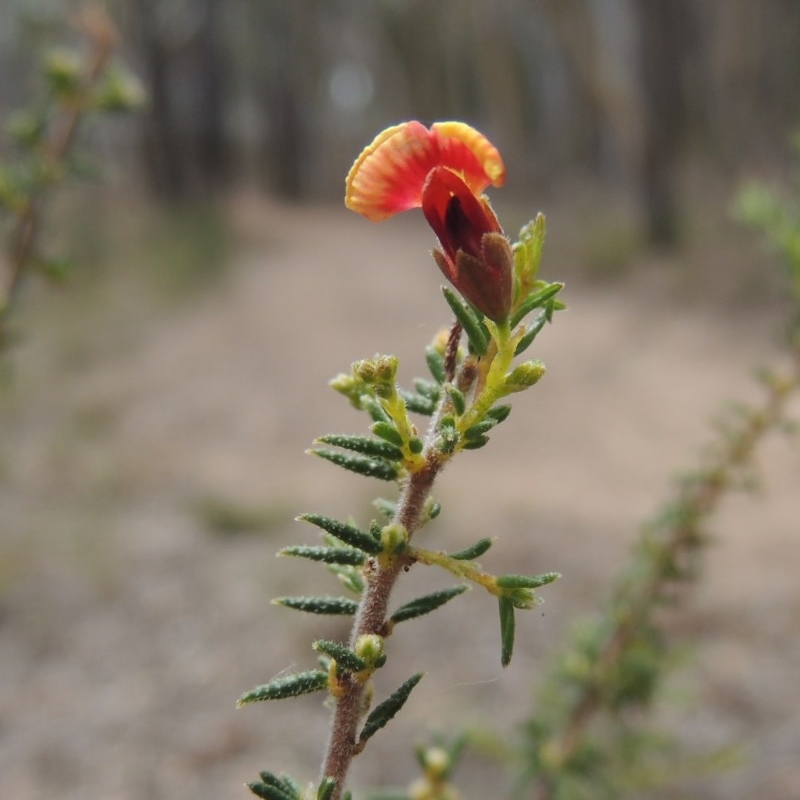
<point>371,619</point>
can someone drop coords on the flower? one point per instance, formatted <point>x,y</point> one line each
<point>443,170</point>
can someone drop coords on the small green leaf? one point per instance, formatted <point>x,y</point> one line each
<point>417,403</point>
<point>267,791</point>
<point>329,555</point>
<point>416,445</point>
<point>363,465</point>
<point>385,507</point>
<point>475,443</point>
<point>435,361</point>
<point>506,630</point>
<point>526,341</point>
<point>374,409</point>
<point>468,320</point>
<point>477,550</point>
<point>384,712</point>
<point>349,576</point>
<point>526,581</point>
<point>535,300</point>
<point>499,413</point>
<point>325,789</point>
<point>345,533</point>
<point>364,445</point>
<point>388,432</point>
<point>282,783</point>
<point>337,606</point>
<point>344,657</point>
<point>479,429</point>
<point>287,686</point>
<point>457,398</point>
<point>424,605</point>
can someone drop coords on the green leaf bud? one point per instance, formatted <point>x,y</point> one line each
<point>62,70</point>
<point>385,711</point>
<point>286,686</point>
<point>336,606</point>
<point>119,91</point>
<point>369,648</point>
<point>416,445</point>
<point>345,533</point>
<point>524,376</point>
<point>499,413</point>
<point>479,428</point>
<point>394,539</point>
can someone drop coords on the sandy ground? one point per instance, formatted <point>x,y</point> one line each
<point>129,628</point>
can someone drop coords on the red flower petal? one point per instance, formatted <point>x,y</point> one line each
<point>389,175</point>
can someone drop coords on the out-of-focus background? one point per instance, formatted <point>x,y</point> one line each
<point>155,408</point>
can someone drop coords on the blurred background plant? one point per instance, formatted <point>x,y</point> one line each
<point>77,83</point>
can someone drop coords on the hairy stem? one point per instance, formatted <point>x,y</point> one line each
<point>371,618</point>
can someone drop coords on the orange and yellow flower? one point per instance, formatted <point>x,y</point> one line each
<point>443,170</point>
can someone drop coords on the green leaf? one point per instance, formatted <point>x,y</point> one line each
<point>469,321</point>
<point>350,577</point>
<point>477,550</point>
<point>435,361</point>
<point>535,300</point>
<point>344,657</point>
<point>457,398</point>
<point>385,507</point>
<point>528,252</point>
<point>329,555</point>
<point>499,413</point>
<point>506,630</point>
<point>525,342</point>
<point>384,712</point>
<point>363,465</point>
<point>282,783</point>
<point>479,428</point>
<point>424,605</point>
<point>526,581</point>
<point>268,791</point>
<point>417,403</point>
<point>345,533</point>
<point>287,686</point>
<point>388,432</point>
<point>325,789</point>
<point>338,606</point>
<point>475,443</point>
<point>364,445</point>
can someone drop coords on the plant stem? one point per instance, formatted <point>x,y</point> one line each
<point>371,619</point>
